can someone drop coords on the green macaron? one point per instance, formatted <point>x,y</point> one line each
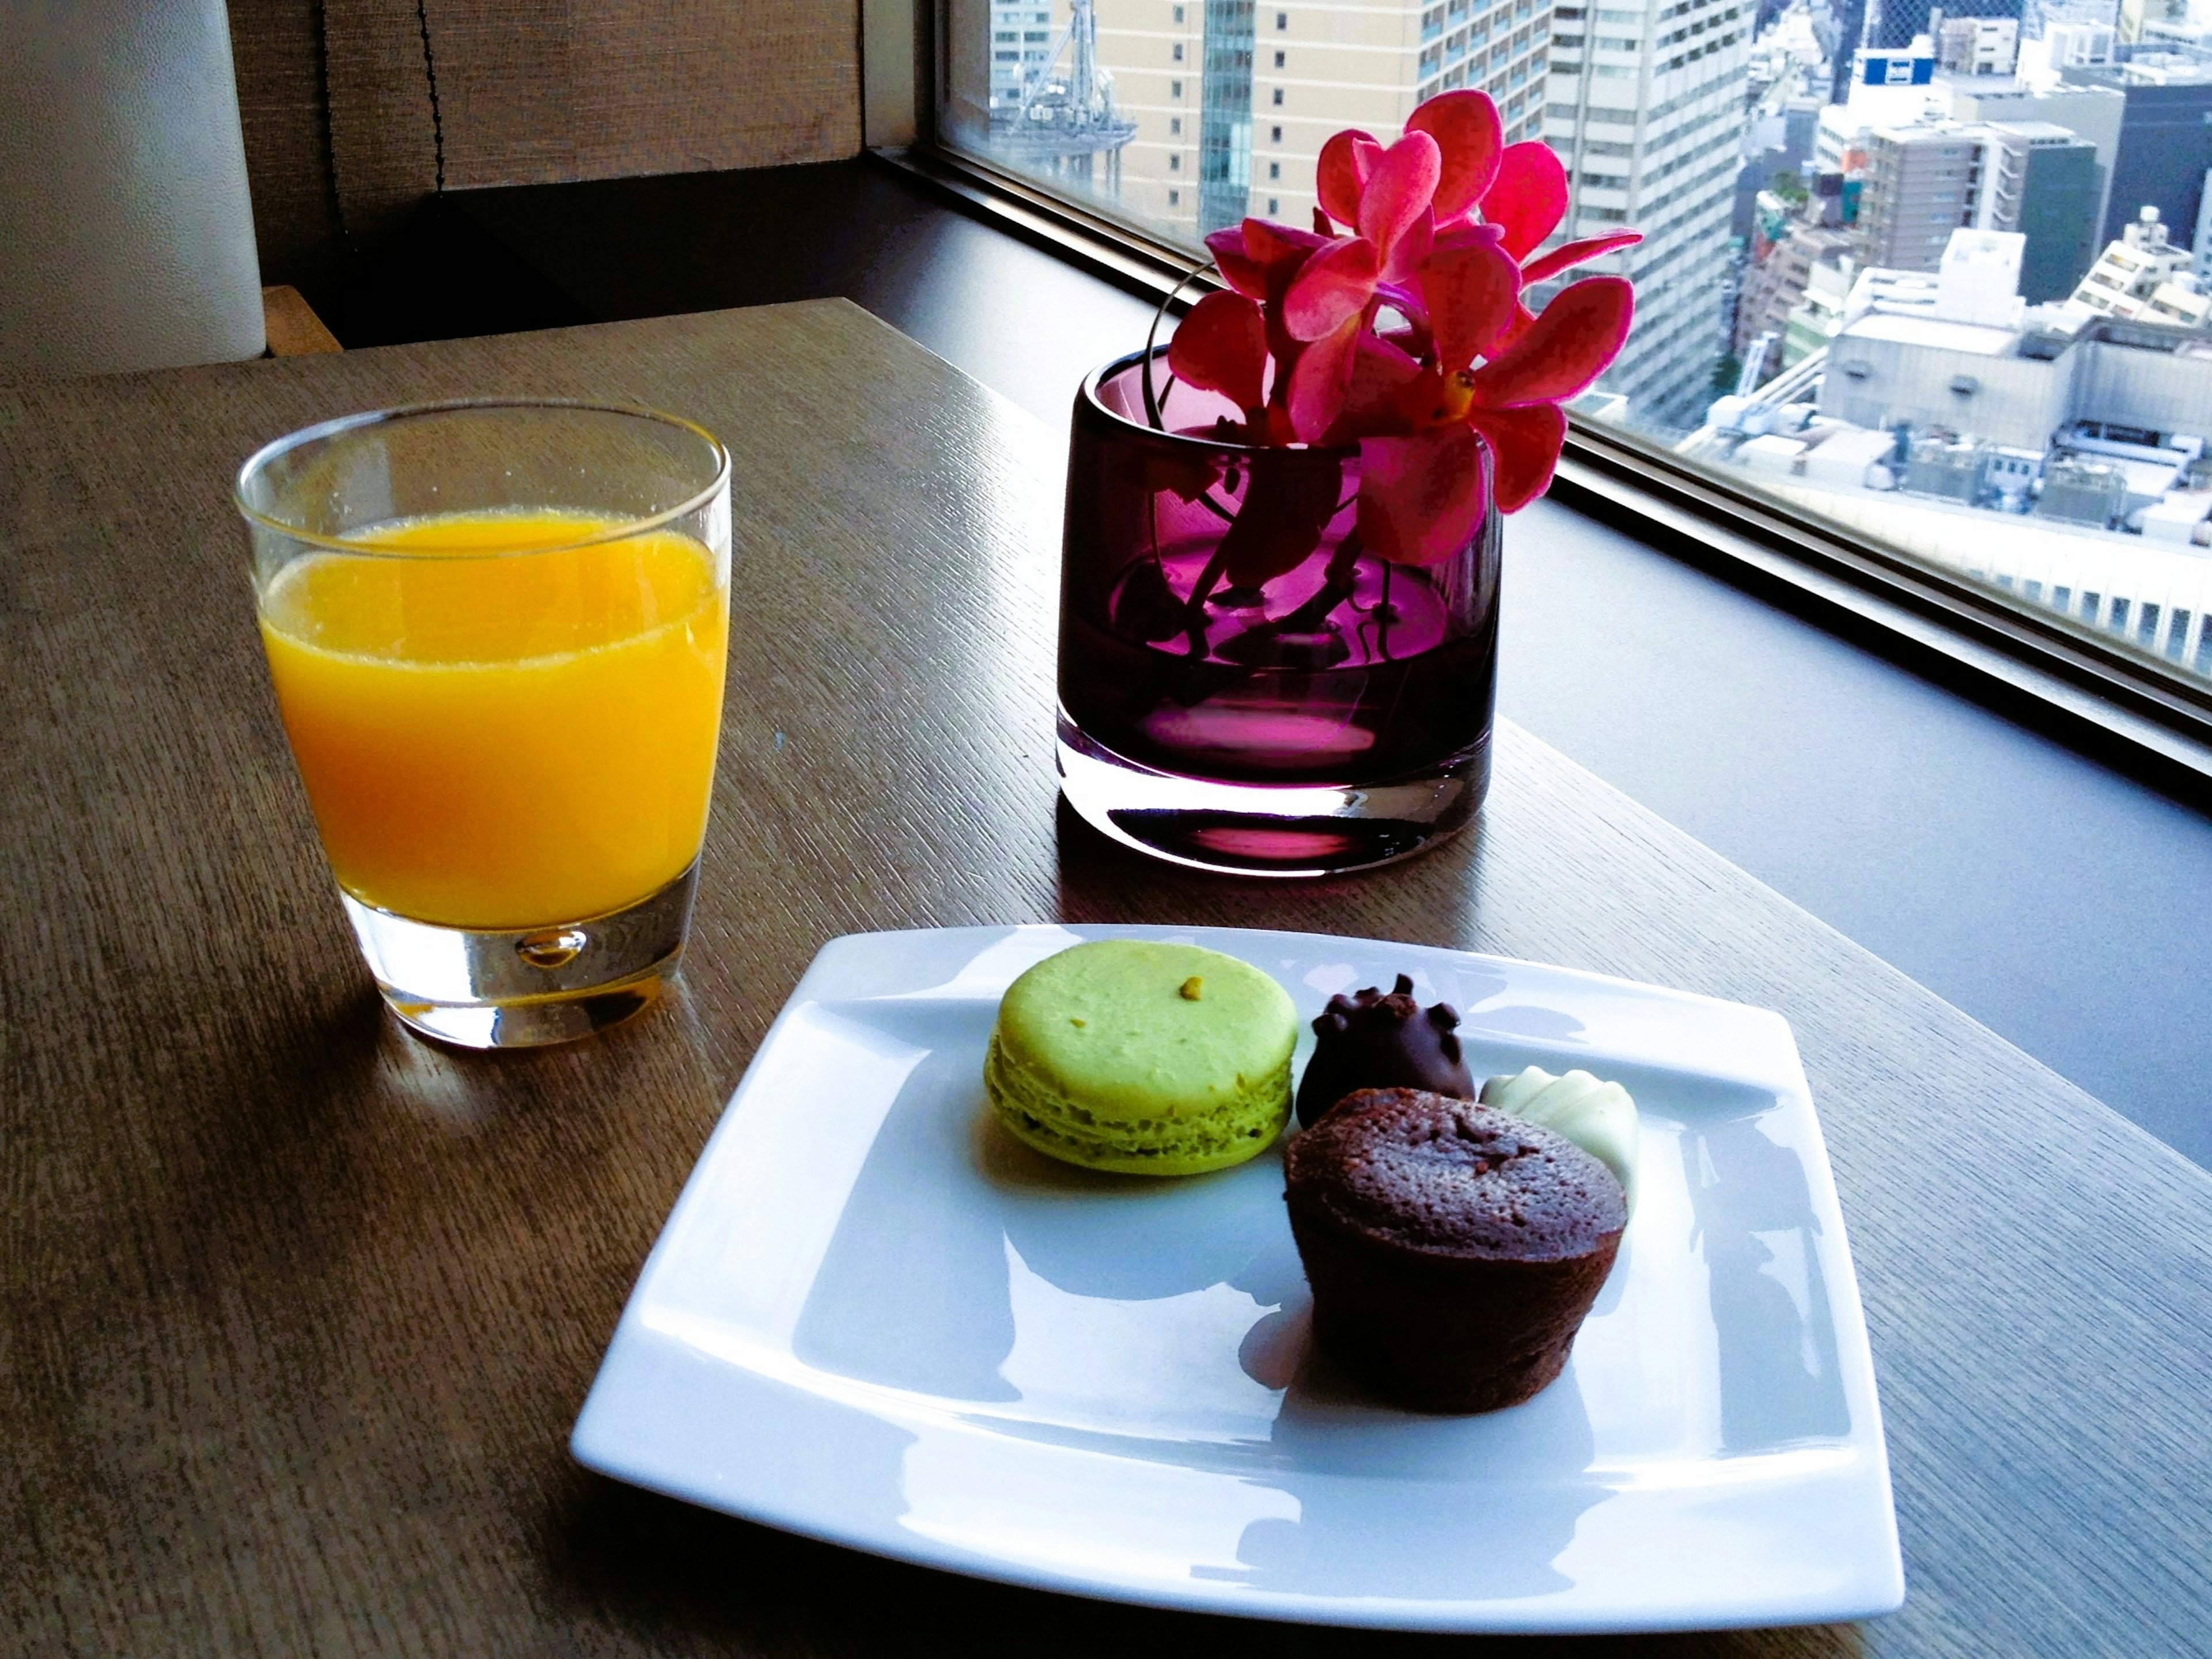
<point>1141,1057</point>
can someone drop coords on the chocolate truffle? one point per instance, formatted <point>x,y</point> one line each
<point>1373,1042</point>
<point>1453,1249</point>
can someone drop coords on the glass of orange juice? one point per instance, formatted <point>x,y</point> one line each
<point>497,632</point>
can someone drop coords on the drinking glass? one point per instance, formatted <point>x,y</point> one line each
<point>1244,686</point>
<point>496,631</point>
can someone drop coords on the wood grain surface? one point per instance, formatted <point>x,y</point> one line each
<point>299,1311</point>
<point>292,327</point>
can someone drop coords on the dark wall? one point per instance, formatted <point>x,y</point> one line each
<point>2165,145</point>
<point>2058,214</point>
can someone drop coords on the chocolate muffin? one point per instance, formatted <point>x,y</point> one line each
<point>1453,1249</point>
<point>1370,1040</point>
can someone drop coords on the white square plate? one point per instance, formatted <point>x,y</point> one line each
<point>874,1318</point>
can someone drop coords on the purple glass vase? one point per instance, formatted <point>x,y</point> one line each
<point>1242,685</point>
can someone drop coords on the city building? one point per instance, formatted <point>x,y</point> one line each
<point>1821,312</point>
<point>2078,46</point>
<point>1185,106</point>
<point>1021,48</point>
<point>1850,21</point>
<point>1645,106</point>
<point>1886,89</point>
<point>2142,276</point>
<point>2201,243</point>
<point>2092,113</point>
<point>2135,16</point>
<point>1944,409</point>
<point>1978,46</point>
<point>1923,183</point>
<point>2165,141</point>
<point>1785,83</point>
<point>1234,100</point>
<point>1052,107</point>
<point>1894,24</point>
<point>2044,181</point>
<point>1791,241</point>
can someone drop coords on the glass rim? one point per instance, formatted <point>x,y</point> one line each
<point>339,425</point>
<point>1135,359</point>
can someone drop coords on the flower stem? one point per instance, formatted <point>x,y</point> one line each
<point>1335,588</point>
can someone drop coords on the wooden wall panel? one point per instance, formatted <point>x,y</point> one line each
<point>340,139</point>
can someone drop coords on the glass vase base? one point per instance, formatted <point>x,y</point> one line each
<point>1267,829</point>
<point>525,987</point>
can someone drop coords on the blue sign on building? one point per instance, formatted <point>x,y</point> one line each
<point>1883,68</point>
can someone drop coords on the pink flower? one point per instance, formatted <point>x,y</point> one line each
<point>1438,231</point>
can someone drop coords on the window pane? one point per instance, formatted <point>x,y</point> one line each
<point>1952,291</point>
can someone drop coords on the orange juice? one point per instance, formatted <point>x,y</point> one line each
<point>496,738</point>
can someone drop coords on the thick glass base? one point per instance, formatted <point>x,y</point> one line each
<point>496,988</point>
<point>1267,829</point>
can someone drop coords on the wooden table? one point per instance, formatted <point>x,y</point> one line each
<point>299,1311</point>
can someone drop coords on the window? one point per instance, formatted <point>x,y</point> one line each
<point>1823,258</point>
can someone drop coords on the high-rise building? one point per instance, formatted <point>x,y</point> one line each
<point>1776,286</point>
<point>2043,181</point>
<point>1851,16</point>
<point>1643,107</point>
<point>1923,183</point>
<point>1894,24</point>
<point>1225,114</point>
<point>1155,50</point>
<point>1021,48</point>
<point>2090,112</point>
<point>1235,98</point>
<point>2165,142</point>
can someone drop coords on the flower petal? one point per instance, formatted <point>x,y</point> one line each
<point>1573,341</point>
<point>1278,251</point>
<point>1319,379</point>
<point>1465,125</point>
<point>1413,247</point>
<point>1380,370</point>
<point>1222,346</point>
<point>1570,254</point>
<point>1471,288</point>
<point>1398,189</point>
<point>1341,173</point>
<point>1527,197</point>
<point>1421,498</point>
<point>1335,284</point>
<point>1237,268</point>
<point>1524,447</point>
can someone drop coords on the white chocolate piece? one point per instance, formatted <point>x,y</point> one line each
<point>1598,1117</point>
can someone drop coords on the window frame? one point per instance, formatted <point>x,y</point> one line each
<point>2126,709</point>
